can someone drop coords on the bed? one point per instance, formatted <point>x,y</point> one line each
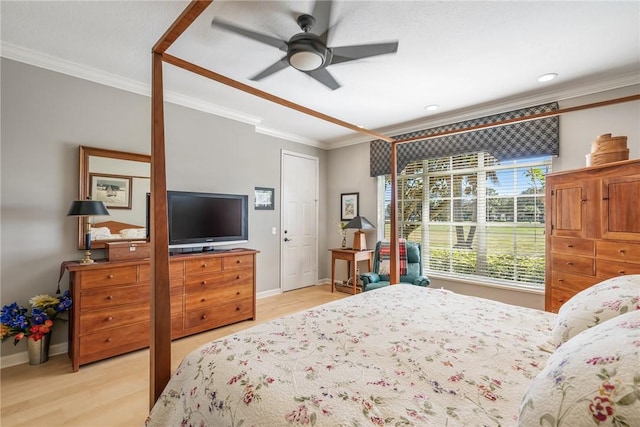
<point>406,355</point>
<point>400,355</point>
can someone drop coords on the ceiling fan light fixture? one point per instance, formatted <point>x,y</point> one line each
<point>305,60</point>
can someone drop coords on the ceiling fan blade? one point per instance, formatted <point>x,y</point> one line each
<point>274,68</point>
<point>324,77</point>
<point>351,53</point>
<point>322,13</point>
<point>264,38</point>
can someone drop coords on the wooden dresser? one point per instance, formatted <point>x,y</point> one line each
<point>592,228</point>
<point>111,300</point>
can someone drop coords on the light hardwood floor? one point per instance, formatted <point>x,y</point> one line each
<point>115,392</point>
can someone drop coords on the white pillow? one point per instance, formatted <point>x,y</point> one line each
<point>591,380</point>
<point>596,304</point>
<point>100,233</point>
<point>133,233</point>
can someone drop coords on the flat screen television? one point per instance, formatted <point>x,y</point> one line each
<point>205,220</point>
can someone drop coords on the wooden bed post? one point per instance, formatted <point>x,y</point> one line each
<point>394,264</point>
<point>160,346</point>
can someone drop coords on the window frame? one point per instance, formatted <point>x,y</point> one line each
<point>482,217</point>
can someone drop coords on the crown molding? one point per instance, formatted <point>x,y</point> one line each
<point>289,136</point>
<point>39,59</point>
<point>48,62</point>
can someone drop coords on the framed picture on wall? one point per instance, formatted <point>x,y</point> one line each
<point>113,190</point>
<point>349,206</point>
<point>264,198</point>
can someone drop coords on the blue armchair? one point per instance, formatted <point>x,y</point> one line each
<point>374,280</point>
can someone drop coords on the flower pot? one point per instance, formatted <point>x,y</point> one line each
<point>39,350</point>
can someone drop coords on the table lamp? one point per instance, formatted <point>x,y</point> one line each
<point>359,238</point>
<point>87,208</point>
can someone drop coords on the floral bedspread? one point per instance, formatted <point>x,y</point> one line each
<point>399,356</point>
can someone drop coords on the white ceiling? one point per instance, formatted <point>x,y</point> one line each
<point>480,56</point>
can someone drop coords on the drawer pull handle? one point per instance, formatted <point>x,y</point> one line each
<point>238,308</point>
<point>109,340</point>
<point>109,319</point>
<point>238,293</point>
<point>110,276</point>
<point>204,282</point>
<point>569,263</point>
<point>621,251</point>
<point>110,297</point>
<point>203,299</point>
<point>621,271</point>
<point>569,246</point>
<point>204,316</point>
<point>238,261</point>
<point>204,265</point>
<point>238,277</point>
<point>560,280</point>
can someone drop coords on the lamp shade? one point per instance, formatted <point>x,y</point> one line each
<point>361,223</point>
<point>87,208</point>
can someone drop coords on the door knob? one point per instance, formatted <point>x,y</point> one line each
<point>286,239</point>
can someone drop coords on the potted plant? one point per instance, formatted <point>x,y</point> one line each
<point>17,322</point>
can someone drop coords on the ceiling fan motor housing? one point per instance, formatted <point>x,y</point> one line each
<point>307,53</point>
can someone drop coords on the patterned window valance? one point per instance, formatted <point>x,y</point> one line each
<point>516,140</point>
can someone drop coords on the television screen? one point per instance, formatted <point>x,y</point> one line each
<point>206,219</point>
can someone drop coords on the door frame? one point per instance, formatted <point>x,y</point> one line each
<point>316,159</point>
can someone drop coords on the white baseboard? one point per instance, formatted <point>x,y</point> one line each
<point>23,357</point>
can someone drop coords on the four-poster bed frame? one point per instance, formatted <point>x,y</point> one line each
<point>160,354</point>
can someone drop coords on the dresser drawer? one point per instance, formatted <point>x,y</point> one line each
<point>111,342</point>
<point>238,277</point>
<point>217,296</point>
<point>225,314</point>
<point>202,266</point>
<point>572,245</point>
<point>235,262</point>
<point>606,269</point>
<point>203,283</point>
<point>572,264</point>
<point>573,283</point>
<point>618,251</point>
<point>115,318</point>
<point>559,297</point>
<point>176,270</point>
<point>106,298</point>
<point>92,278</point>
<point>176,300</point>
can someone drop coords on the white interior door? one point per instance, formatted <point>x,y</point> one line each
<point>299,231</point>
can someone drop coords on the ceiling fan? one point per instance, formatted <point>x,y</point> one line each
<point>308,52</point>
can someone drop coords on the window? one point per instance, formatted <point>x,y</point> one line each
<point>476,217</point>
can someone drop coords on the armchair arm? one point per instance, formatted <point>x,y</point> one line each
<point>422,281</point>
<point>369,278</point>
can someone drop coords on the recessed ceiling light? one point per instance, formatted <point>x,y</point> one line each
<point>547,77</point>
<point>432,107</point>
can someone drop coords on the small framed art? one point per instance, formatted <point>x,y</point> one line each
<point>349,206</point>
<point>264,198</point>
<point>113,190</point>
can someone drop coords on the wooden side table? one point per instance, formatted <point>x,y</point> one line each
<point>352,257</point>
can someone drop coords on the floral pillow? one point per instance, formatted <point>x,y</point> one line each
<point>592,379</point>
<point>596,304</point>
<point>100,233</point>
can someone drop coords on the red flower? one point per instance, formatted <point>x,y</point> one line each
<point>601,408</point>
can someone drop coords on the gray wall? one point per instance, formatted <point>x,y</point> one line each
<point>349,172</point>
<point>47,115</point>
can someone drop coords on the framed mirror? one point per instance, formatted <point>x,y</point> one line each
<point>121,180</point>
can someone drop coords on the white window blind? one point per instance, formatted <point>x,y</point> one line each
<point>476,217</point>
